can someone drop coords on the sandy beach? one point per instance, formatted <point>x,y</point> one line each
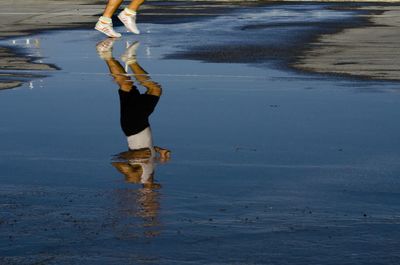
<point>365,51</point>
<point>23,18</point>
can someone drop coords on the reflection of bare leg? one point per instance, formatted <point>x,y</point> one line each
<point>132,174</point>
<point>119,74</point>
<point>143,78</point>
<point>104,49</point>
<point>129,57</point>
<point>165,154</point>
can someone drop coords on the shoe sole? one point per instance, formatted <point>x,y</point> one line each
<point>106,33</point>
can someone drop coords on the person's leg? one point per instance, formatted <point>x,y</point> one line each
<point>111,7</point>
<point>135,5</point>
<point>128,16</point>
<point>104,24</point>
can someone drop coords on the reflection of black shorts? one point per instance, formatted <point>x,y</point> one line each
<point>135,110</point>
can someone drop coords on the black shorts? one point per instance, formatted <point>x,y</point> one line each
<point>135,110</point>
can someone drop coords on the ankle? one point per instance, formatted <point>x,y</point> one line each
<point>105,20</point>
<point>130,12</point>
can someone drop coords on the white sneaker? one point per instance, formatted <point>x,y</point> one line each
<point>129,21</point>
<point>129,55</point>
<point>104,48</point>
<point>107,28</point>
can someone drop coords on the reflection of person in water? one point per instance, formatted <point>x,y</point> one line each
<point>138,163</point>
<point>139,160</point>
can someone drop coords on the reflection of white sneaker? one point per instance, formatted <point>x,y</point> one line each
<point>107,28</point>
<point>129,20</point>
<point>104,48</point>
<point>129,55</point>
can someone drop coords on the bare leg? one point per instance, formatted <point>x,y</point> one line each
<point>135,4</point>
<point>119,74</point>
<point>143,78</point>
<point>111,7</point>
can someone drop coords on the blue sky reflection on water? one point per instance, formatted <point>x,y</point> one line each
<point>263,150</point>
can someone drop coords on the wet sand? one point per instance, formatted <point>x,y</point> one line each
<point>20,18</point>
<point>366,51</point>
<point>362,46</point>
<point>23,18</point>
<point>12,65</point>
